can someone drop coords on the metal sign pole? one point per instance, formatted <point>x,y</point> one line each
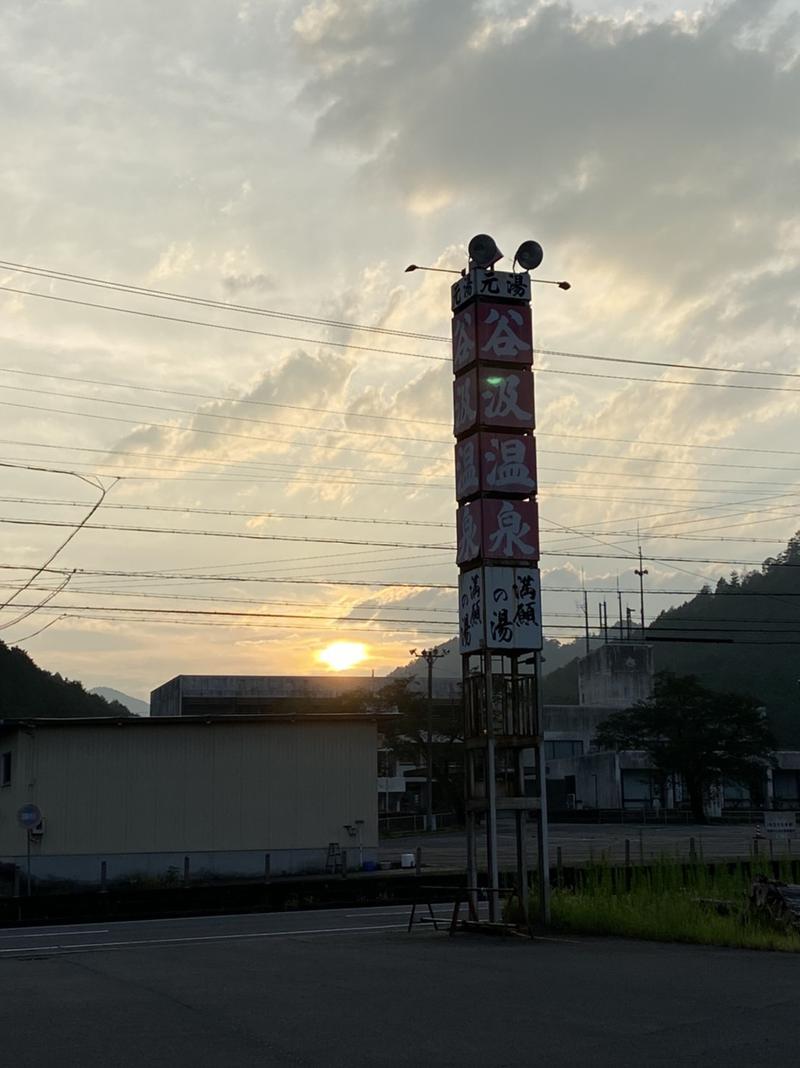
<point>543,838</point>
<point>499,589</point>
<point>491,795</point>
<point>28,817</point>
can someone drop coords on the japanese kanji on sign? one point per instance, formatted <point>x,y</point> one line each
<point>493,422</point>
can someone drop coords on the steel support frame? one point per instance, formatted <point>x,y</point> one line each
<point>483,743</point>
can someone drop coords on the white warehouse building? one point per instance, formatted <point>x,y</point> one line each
<point>229,796</point>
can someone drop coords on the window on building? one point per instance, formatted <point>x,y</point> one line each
<point>5,769</point>
<point>558,750</point>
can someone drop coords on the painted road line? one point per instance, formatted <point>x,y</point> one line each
<point>56,934</point>
<point>210,938</point>
<point>52,928</point>
<point>61,929</point>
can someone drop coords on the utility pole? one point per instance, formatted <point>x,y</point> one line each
<point>430,656</point>
<point>586,619</point>
<point>641,571</point>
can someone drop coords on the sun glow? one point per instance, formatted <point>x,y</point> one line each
<point>342,655</point>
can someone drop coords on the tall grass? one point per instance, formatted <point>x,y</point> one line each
<point>670,902</point>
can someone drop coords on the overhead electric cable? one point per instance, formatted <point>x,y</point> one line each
<point>300,517</point>
<point>326,343</point>
<point>185,298</point>
<point>403,419</point>
<point>346,541</point>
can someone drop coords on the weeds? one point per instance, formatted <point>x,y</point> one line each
<point>670,902</point>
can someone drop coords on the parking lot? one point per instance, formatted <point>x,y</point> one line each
<point>581,842</point>
<point>352,987</point>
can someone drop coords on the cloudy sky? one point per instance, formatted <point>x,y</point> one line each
<point>294,157</point>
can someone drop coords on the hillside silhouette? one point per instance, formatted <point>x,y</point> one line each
<point>27,691</point>
<point>759,611</point>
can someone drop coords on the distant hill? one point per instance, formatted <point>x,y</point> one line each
<point>449,667</point>
<point>760,612</point>
<point>27,691</point>
<point>750,630</point>
<point>133,704</point>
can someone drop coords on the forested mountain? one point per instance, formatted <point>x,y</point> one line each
<point>27,691</point>
<point>750,630</point>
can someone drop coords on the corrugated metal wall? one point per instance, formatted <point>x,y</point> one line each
<point>195,787</point>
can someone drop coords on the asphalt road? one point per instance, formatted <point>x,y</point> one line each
<point>351,987</point>
<point>580,842</point>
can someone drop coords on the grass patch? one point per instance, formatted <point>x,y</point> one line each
<point>669,902</point>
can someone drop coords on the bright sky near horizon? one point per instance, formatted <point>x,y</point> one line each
<point>295,156</point>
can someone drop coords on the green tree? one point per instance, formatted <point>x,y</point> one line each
<point>405,732</point>
<point>702,735</point>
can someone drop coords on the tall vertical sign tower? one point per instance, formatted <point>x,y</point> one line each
<point>500,623</point>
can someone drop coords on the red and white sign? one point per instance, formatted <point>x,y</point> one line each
<point>504,333</point>
<point>465,403</point>
<point>492,332</point>
<point>464,339</point>
<point>510,530</point>
<point>495,463</point>
<point>499,608</point>
<point>496,397</point>
<point>505,397</point>
<point>468,533</point>
<point>498,530</point>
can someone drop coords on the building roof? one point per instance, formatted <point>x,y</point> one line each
<point>10,726</point>
<point>290,686</point>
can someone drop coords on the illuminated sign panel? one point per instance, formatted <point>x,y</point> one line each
<point>496,397</point>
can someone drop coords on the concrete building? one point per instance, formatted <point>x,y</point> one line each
<point>616,675</point>
<point>226,695</point>
<point>222,695</point>
<point>612,678</point>
<point>236,795</point>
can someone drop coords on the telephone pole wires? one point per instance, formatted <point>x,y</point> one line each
<point>430,656</point>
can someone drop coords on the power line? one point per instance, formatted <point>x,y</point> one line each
<point>177,575</point>
<point>127,507</point>
<point>255,465</point>
<point>280,476</point>
<point>323,343</point>
<point>549,491</point>
<point>218,397</point>
<point>223,305</point>
<point>240,578</point>
<point>198,413</point>
<point>222,326</point>
<point>217,433</point>
<point>160,294</point>
<point>428,422</point>
<point>51,502</point>
<point>346,541</point>
<point>228,534</point>
<point>157,614</point>
<point>680,623</point>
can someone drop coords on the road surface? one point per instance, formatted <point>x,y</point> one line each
<point>351,987</point>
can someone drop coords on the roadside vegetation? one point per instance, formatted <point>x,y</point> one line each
<point>671,902</point>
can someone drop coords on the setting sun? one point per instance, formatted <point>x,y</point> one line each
<point>342,655</point>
